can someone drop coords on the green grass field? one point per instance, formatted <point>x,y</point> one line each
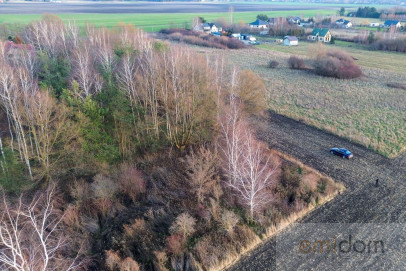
<point>154,21</point>
<point>364,110</point>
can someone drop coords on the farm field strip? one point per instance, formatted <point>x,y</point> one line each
<point>156,21</point>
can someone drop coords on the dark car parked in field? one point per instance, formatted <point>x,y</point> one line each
<point>344,153</point>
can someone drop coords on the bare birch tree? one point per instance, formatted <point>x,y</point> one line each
<point>101,42</point>
<point>83,71</point>
<point>255,175</point>
<point>10,97</point>
<point>250,169</point>
<point>232,130</point>
<point>32,237</point>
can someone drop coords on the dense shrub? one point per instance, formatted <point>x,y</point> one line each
<point>131,182</point>
<point>229,220</point>
<point>273,64</point>
<point>175,244</point>
<point>252,91</point>
<point>397,45</point>
<point>297,63</point>
<point>202,39</point>
<point>336,63</point>
<point>114,262</point>
<point>184,224</point>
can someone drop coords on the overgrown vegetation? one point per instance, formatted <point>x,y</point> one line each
<point>202,39</point>
<point>145,151</point>
<point>336,63</point>
<point>273,64</point>
<point>296,63</point>
<point>330,63</point>
<point>396,45</point>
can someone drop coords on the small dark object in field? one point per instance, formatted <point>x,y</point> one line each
<point>397,85</point>
<point>273,64</point>
<point>376,182</point>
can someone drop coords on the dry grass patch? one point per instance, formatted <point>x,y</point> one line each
<point>364,110</point>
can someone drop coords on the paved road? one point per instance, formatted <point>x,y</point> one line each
<point>155,7</point>
<point>384,208</point>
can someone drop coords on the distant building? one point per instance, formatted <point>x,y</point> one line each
<point>320,34</point>
<point>236,36</point>
<point>294,20</point>
<point>306,24</point>
<point>390,23</point>
<point>374,24</point>
<point>210,28</point>
<point>344,23</point>
<point>259,24</point>
<point>248,39</point>
<point>290,41</point>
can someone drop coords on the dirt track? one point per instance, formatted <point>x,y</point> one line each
<point>362,202</point>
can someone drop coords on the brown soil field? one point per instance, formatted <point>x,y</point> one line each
<point>360,203</point>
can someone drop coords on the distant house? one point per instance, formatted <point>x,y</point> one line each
<point>347,24</point>
<point>390,23</point>
<point>294,20</point>
<point>236,36</point>
<point>248,38</point>
<point>374,24</point>
<point>320,34</point>
<point>210,28</point>
<point>344,23</point>
<point>259,24</point>
<point>340,21</point>
<point>306,24</point>
<point>290,41</point>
